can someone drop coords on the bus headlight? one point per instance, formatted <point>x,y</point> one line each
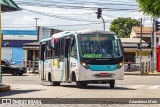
<point>120,65</point>
<point>84,65</point>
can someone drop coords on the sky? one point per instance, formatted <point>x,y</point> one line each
<point>70,14</point>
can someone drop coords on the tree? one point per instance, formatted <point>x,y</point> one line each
<point>150,7</point>
<point>123,26</point>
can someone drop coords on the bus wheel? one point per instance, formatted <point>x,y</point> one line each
<point>81,84</point>
<point>53,83</point>
<point>112,84</point>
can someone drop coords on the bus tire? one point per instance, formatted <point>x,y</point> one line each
<point>112,83</point>
<point>81,84</point>
<point>55,83</point>
<point>73,77</point>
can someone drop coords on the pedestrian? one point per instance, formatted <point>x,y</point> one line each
<point>129,65</point>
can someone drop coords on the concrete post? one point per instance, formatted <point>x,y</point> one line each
<point>141,68</point>
<point>29,65</point>
<point>33,66</point>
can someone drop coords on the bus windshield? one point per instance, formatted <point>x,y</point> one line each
<point>99,46</point>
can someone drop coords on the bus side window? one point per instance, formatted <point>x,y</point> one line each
<point>52,52</point>
<point>42,50</point>
<point>62,47</point>
<point>57,47</point>
<point>48,50</point>
<point>74,49</point>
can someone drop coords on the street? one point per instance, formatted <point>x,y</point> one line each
<point>133,86</point>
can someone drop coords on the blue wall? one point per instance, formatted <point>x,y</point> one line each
<point>17,55</point>
<point>17,51</point>
<point>19,32</point>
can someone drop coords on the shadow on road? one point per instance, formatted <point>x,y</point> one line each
<point>14,76</point>
<point>14,92</point>
<point>90,87</point>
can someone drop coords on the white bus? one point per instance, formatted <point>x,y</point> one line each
<point>84,57</point>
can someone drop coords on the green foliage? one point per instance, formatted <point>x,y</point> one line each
<point>123,26</point>
<point>150,7</point>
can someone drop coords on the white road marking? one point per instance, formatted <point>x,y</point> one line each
<point>154,87</point>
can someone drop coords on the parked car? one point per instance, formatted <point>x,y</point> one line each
<point>10,68</point>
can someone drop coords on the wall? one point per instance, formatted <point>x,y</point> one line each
<point>6,53</point>
<point>13,41</point>
<point>144,59</point>
<point>17,55</point>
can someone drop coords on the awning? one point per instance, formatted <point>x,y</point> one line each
<point>8,6</point>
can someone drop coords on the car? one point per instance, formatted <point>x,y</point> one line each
<point>10,68</point>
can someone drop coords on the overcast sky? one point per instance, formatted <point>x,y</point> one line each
<point>70,14</point>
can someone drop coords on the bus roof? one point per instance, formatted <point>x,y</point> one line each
<point>47,39</point>
<point>92,31</point>
<point>86,31</point>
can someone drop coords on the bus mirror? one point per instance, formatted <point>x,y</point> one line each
<point>72,41</point>
<point>119,40</point>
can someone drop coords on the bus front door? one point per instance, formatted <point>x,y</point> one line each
<point>42,59</point>
<point>67,56</point>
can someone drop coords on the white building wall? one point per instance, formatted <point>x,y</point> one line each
<point>6,53</point>
<point>144,59</point>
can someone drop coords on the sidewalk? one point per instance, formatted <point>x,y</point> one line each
<point>155,73</point>
<point>4,87</point>
<point>31,72</point>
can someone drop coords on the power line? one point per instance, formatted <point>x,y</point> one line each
<point>62,25</point>
<point>85,2</point>
<point>63,6</point>
<point>55,16</point>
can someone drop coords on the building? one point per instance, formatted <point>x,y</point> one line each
<point>132,53</point>
<point>146,33</point>
<point>32,49</point>
<point>148,37</point>
<point>13,41</point>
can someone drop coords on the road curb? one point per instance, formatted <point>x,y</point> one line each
<point>4,87</point>
<point>135,73</point>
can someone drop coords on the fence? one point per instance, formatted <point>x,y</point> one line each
<point>133,67</point>
<point>145,67</point>
<point>31,65</point>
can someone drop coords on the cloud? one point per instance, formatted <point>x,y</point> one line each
<point>20,19</point>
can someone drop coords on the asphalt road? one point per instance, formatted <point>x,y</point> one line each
<point>133,86</point>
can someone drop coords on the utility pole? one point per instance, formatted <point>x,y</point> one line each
<point>36,23</point>
<point>156,27</point>
<point>0,45</point>
<point>154,45</point>
<point>99,15</point>
<point>36,27</point>
<point>141,49</point>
